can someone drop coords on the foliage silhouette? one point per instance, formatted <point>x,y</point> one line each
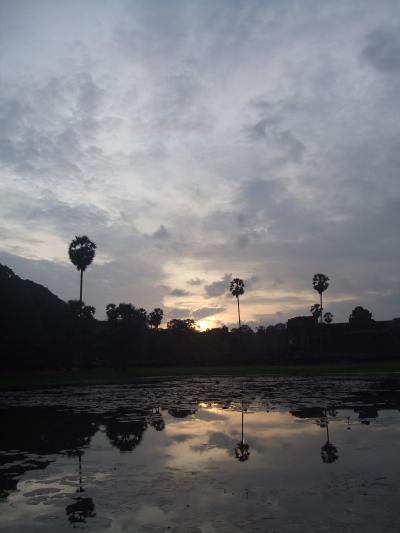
<point>39,331</point>
<point>237,289</point>
<point>155,318</point>
<point>320,284</point>
<point>185,324</point>
<point>111,312</point>
<point>360,316</point>
<point>328,318</point>
<point>79,309</point>
<point>81,252</point>
<point>315,310</point>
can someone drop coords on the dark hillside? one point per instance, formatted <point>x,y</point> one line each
<point>34,323</point>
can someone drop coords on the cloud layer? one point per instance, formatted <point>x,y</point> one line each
<point>193,141</point>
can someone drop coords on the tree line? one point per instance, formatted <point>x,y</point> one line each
<point>82,252</point>
<point>41,331</point>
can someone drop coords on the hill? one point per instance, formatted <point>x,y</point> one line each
<point>34,323</point>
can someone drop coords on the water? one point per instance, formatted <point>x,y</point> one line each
<point>171,456</point>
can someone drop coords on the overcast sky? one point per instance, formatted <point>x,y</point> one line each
<point>194,141</point>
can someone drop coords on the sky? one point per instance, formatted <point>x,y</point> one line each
<point>196,141</point>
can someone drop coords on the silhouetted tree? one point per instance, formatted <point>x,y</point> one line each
<point>244,330</point>
<point>81,253</point>
<point>142,315</point>
<point>155,317</point>
<point>126,313</point>
<point>237,289</point>
<point>79,309</point>
<point>315,310</point>
<point>126,333</point>
<point>184,324</point>
<point>112,312</point>
<point>359,315</point>
<point>320,284</point>
<point>328,318</point>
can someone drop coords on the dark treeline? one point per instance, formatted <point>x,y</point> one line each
<point>38,330</point>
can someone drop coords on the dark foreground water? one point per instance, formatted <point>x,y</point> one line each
<point>171,456</point>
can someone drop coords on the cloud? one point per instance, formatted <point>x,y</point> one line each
<point>203,312</point>
<point>195,281</point>
<point>382,49</point>
<point>179,293</point>
<point>161,233</point>
<point>217,288</point>
<point>177,312</point>
<point>192,139</point>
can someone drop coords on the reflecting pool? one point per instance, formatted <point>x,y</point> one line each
<point>203,455</point>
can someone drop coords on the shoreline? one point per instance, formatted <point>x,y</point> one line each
<point>110,376</point>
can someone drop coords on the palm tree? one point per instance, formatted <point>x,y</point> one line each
<point>328,317</point>
<point>81,252</point>
<point>237,289</point>
<point>112,312</point>
<point>155,317</point>
<point>320,284</point>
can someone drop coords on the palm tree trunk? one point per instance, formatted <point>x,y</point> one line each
<point>238,310</point>
<point>80,294</point>
<point>242,423</point>
<point>80,289</point>
<point>320,318</point>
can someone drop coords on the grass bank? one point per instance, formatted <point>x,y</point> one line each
<point>103,376</point>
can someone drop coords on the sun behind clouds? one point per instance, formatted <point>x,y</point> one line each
<point>204,324</point>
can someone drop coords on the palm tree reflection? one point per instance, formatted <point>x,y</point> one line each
<point>82,508</point>
<point>329,452</point>
<point>126,435</point>
<point>242,449</point>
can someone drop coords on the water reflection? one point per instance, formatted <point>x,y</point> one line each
<point>242,449</point>
<point>329,452</point>
<point>79,511</point>
<point>125,435</point>
<point>83,507</point>
<point>161,453</point>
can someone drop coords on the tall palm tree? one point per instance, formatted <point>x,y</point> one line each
<point>237,289</point>
<point>320,284</point>
<point>81,252</point>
